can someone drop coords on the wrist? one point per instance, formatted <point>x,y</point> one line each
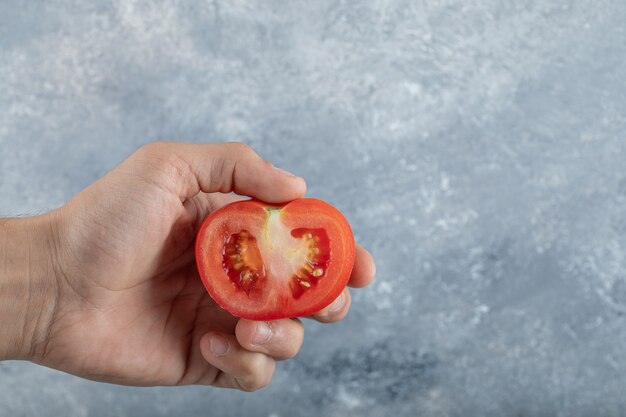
<point>28,284</point>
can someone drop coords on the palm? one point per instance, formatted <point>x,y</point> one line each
<point>155,304</point>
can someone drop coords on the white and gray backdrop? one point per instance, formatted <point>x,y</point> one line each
<point>478,149</point>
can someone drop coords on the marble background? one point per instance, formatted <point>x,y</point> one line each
<point>478,149</point>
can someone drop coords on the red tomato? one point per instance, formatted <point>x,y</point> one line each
<point>265,261</point>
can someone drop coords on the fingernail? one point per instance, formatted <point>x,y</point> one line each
<point>286,173</point>
<point>263,334</point>
<point>338,303</point>
<point>219,345</point>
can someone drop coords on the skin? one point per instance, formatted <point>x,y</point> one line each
<point>106,287</point>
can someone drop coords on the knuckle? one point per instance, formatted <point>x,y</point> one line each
<point>335,313</point>
<point>299,342</point>
<point>327,316</point>
<point>254,364</point>
<point>242,149</point>
<point>256,381</point>
<point>297,338</point>
<point>339,315</point>
<point>162,160</point>
<point>154,148</point>
<point>222,174</point>
<point>291,353</point>
<point>250,384</point>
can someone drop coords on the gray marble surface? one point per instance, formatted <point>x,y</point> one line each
<point>478,149</point>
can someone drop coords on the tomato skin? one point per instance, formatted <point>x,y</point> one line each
<point>271,299</point>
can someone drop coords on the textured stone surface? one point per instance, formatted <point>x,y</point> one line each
<point>478,148</point>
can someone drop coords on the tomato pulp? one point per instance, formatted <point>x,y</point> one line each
<point>263,261</point>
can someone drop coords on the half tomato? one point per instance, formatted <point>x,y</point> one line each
<point>264,261</point>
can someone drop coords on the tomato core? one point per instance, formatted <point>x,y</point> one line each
<point>243,262</point>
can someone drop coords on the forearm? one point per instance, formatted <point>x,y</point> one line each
<point>27,285</point>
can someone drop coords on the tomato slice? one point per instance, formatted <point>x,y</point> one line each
<point>264,261</point>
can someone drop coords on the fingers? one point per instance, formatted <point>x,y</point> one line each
<point>200,205</point>
<point>364,268</point>
<point>337,310</point>
<point>218,200</point>
<point>362,275</point>
<point>246,360</point>
<point>185,169</point>
<point>280,339</point>
<point>240,368</point>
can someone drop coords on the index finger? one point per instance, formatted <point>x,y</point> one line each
<point>185,169</point>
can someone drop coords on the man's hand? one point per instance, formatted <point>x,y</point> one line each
<point>122,301</point>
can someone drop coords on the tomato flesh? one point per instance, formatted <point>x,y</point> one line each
<point>266,261</point>
<point>242,261</point>
<point>317,248</point>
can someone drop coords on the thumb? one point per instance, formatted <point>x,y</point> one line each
<point>186,169</point>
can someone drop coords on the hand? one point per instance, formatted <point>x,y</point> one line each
<point>129,306</point>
